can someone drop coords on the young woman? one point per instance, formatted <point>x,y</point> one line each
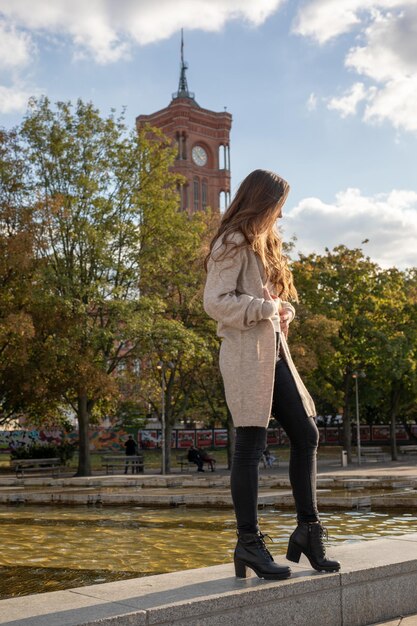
<point>247,291</point>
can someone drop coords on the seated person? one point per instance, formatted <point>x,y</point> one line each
<point>268,458</point>
<point>194,456</point>
<point>207,459</point>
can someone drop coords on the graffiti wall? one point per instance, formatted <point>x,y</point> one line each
<point>16,438</point>
<point>100,439</point>
<point>110,440</point>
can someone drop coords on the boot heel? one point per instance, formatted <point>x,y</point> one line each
<point>293,552</point>
<point>240,569</point>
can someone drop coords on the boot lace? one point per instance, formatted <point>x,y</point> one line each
<point>262,545</point>
<point>323,535</point>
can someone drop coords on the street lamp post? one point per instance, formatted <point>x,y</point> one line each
<point>356,375</point>
<point>161,366</point>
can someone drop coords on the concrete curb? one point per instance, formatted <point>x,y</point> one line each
<point>162,491</point>
<point>284,500</point>
<point>377,582</point>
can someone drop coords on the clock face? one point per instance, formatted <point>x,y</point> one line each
<point>199,155</point>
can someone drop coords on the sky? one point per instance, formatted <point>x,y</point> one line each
<point>324,92</point>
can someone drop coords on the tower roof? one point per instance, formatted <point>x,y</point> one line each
<point>183,91</point>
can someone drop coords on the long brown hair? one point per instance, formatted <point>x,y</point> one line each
<point>253,212</point>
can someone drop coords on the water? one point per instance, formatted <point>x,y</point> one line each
<point>46,548</point>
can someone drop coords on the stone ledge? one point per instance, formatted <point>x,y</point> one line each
<point>221,499</point>
<point>385,477</point>
<point>377,582</point>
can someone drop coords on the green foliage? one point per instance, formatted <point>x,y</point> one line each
<point>17,266</point>
<point>339,289</point>
<point>181,336</point>
<point>118,276</point>
<point>356,316</point>
<point>102,282</point>
<point>64,451</point>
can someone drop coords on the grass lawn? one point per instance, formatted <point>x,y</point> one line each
<point>153,457</point>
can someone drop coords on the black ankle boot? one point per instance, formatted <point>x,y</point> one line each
<point>308,538</point>
<point>252,552</point>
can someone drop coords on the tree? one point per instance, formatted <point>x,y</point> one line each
<point>17,266</point>
<point>396,370</point>
<point>341,286</point>
<point>180,340</point>
<point>101,195</point>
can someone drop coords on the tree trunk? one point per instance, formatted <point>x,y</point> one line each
<point>230,439</point>
<point>168,435</point>
<point>394,410</point>
<point>347,431</point>
<point>84,458</point>
<point>407,428</point>
<point>394,454</point>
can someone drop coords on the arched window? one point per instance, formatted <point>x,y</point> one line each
<point>222,164</point>
<point>183,146</point>
<point>185,198</point>
<point>224,157</point>
<point>196,194</point>
<point>177,139</point>
<point>222,201</point>
<point>179,191</point>
<point>204,194</point>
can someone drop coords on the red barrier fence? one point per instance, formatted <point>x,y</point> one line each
<point>108,439</point>
<point>217,437</point>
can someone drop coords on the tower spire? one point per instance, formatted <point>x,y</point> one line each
<point>183,86</point>
<point>183,91</point>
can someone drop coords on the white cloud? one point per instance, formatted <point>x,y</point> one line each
<point>312,102</point>
<point>386,55</point>
<point>324,20</point>
<point>396,102</point>
<point>16,48</point>
<point>106,29</point>
<point>390,48</point>
<point>388,220</point>
<point>13,99</point>
<point>347,104</point>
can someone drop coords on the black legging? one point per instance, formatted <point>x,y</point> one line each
<point>250,442</point>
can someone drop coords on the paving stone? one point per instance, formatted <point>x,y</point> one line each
<point>63,608</point>
<point>377,582</point>
<point>409,620</point>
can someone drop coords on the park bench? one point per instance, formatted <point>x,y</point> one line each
<point>373,453</point>
<point>185,464</point>
<point>22,466</point>
<point>122,462</point>
<point>408,449</point>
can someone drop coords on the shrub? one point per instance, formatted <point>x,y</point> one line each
<point>64,451</point>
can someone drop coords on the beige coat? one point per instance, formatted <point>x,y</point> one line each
<point>234,297</point>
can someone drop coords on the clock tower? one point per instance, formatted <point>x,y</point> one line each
<point>202,138</point>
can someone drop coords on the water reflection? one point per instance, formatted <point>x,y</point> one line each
<point>49,548</point>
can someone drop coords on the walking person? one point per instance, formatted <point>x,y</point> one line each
<point>247,290</point>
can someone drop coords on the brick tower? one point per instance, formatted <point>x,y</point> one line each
<point>202,138</point>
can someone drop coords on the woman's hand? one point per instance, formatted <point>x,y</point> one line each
<point>284,317</point>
